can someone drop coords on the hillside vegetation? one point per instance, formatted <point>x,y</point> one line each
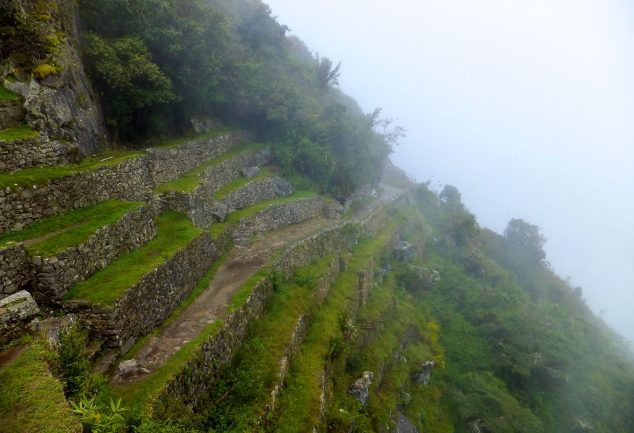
<point>160,63</point>
<point>395,313</point>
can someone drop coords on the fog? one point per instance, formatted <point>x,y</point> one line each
<point>526,106</point>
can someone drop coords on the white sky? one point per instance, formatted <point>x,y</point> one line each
<point>526,106</point>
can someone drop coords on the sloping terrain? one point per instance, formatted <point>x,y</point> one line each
<point>275,276</point>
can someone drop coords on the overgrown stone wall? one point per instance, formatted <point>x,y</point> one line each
<point>15,269</point>
<point>251,193</point>
<point>36,152</point>
<point>167,164</point>
<point>53,276</point>
<point>279,215</point>
<point>216,176</point>
<point>204,210</point>
<point>149,302</point>
<point>133,179</point>
<point>195,379</point>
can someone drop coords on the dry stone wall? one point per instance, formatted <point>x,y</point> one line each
<point>192,383</point>
<point>36,152</point>
<point>149,302</point>
<point>133,179</point>
<point>279,215</point>
<point>251,193</point>
<point>53,276</point>
<point>167,164</point>
<point>15,269</point>
<point>216,176</point>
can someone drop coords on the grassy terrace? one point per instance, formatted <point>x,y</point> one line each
<point>41,175</point>
<point>7,95</point>
<point>175,231</point>
<point>253,374</point>
<point>232,218</point>
<point>31,399</point>
<point>300,401</point>
<point>189,181</point>
<point>375,352</point>
<point>52,235</point>
<point>20,132</point>
<point>200,287</point>
<point>139,396</point>
<point>239,183</point>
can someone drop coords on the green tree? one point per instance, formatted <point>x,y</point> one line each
<point>130,84</point>
<point>525,241</point>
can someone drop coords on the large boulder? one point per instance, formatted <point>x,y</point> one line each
<point>282,188</point>
<point>423,374</point>
<point>360,389</point>
<point>16,313</point>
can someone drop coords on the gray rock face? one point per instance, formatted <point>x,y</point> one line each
<point>11,114</point>
<point>16,311</point>
<point>219,211</point>
<point>63,106</point>
<point>404,250</point>
<point>423,375</point>
<point>360,389</point>
<point>282,187</point>
<point>404,425</point>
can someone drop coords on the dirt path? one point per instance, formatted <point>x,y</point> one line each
<point>9,355</point>
<point>212,304</point>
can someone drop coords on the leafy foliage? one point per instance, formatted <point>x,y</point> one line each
<point>523,352</point>
<point>159,63</point>
<point>29,34</point>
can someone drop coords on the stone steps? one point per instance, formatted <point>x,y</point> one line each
<point>51,256</point>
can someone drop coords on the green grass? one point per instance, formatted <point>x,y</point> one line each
<point>253,374</point>
<point>218,229</point>
<point>190,180</point>
<point>7,95</point>
<point>175,231</point>
<point>68,229</point>
<point>240,182</point>
<point>299,403</point>
<point>41,175</point>
<point>20,132</point>
<point>31,399</point>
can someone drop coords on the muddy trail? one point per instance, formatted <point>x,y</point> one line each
<point>211,305</point>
